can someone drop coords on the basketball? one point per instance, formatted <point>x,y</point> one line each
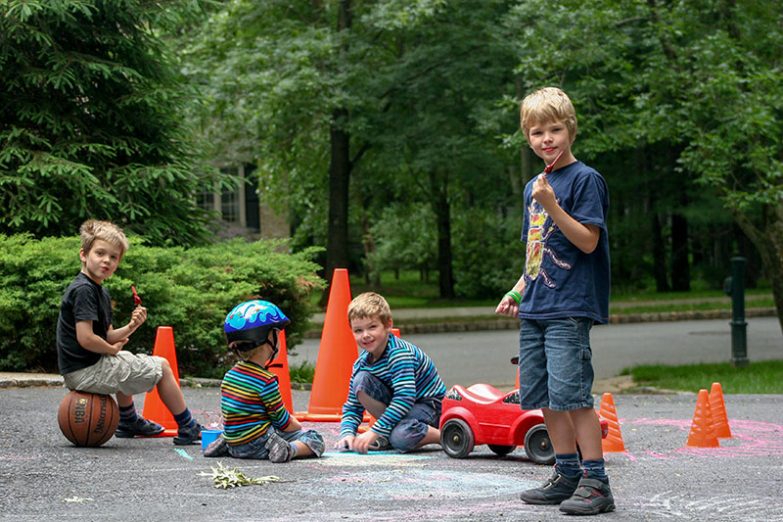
<point>88,419</point>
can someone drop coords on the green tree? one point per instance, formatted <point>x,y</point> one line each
<point>91,121</point>
<point>698,81</point>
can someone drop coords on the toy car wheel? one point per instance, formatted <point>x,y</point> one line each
<point>501,450</point>
<point>538,446</point>
<point>456,438</point>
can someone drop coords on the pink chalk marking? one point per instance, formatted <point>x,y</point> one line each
<point>750,439</point>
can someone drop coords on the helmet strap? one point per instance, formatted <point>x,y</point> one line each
<point>273,344</point>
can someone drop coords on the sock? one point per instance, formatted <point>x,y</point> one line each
<point>128,414</point>
<point>293,449</point>
<point>184,419</point>
<point>567,464</point>
<point>595,469</point>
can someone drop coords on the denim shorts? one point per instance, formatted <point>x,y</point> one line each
<point>407,434</point>
<point>255,448</point>
<point>555,367</point>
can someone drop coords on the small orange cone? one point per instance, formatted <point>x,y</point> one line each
<point>614,439</point>
<point>336,356</point>
<point>720,420</point>
<point>154,409</point>
<point>279,366</point>
<point>702,434</point>
<point>395,332</point>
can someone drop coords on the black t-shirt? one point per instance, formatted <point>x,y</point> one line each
<point>84,300</point>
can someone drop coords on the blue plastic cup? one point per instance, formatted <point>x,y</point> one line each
<point>208,437</point>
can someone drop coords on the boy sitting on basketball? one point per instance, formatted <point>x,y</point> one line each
<point>89,349</point>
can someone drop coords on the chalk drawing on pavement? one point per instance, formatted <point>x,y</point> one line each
<point>749,439</point>
<point>676,505</point>
<point>375,458</point>
<point>415,484</point>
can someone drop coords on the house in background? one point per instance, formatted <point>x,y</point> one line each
<point>242,208</point>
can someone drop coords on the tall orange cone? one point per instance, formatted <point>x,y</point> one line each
<point>614,439</point>
<point>336,356</point>
<point>154,409</point>
<point>279,366</point>
<point>702,434</point>
<point>720,420</point>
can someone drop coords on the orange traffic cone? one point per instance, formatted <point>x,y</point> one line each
<point>614,439</point>
<point>720,420</point>
<point>154,409</point>
<point>336,356</point>
<point>702,434</point>
<point>279,366</point>
<point>395,332</point>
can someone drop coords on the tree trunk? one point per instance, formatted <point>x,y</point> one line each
<point>659,255</point>
<point>769,243</point>
<point>681,274</point>
<point>442,208</point>
<point>339,176</point>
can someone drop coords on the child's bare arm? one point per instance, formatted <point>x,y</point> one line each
<point>293,424</point>
<point>94,343</point>
<point>583,237</point>
<point>509,305</point>
<point>138,317</point>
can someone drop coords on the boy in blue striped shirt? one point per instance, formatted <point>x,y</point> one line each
<point>393,380</point>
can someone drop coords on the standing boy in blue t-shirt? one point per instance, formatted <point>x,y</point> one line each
<point>563,290</point>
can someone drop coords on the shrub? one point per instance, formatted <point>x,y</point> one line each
<point>191,290</point>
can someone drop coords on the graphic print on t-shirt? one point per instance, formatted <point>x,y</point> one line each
<point>537,234</point>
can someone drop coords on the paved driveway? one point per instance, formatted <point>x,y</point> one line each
<point>43,477</point>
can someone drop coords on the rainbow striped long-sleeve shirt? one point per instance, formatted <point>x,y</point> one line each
<point>251,403</point>
<point>407,371</point>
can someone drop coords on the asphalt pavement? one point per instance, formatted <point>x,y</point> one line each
<point>44,477</point>
<point>467,357</point>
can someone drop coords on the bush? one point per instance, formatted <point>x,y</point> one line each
<point>191,290</point>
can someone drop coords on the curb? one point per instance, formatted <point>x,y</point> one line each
<point>504,323</point>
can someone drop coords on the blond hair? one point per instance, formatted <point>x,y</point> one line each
<point>93,229</point>
<point>547,105</point>
<point>370,304</point>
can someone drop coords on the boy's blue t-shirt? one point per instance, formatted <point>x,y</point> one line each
<point>561,280</point>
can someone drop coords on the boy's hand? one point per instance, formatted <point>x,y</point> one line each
<point>346,443</point>
<point>543,192</point>
<point>117,347</point>
<point>361,444</point>
<point>507,306</point>
<point>138,317</point>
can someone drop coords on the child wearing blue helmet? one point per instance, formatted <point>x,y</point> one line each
<point>256,423</point>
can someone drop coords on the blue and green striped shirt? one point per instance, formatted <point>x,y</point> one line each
<point>407,371</point>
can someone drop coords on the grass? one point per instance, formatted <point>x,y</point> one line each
<point>757,378</point>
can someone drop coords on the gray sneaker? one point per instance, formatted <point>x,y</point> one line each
<point>217,448</point>
<point>279,448</point>
<point>380,444</point>
<point>592,496</point>
<point>555,490</point>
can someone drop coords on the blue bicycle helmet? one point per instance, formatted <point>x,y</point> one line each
<point>249,323</point>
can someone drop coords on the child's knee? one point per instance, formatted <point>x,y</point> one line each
<point>363,381</point>
<point>407,436</point>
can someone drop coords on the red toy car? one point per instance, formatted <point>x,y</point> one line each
<point>481,414</point>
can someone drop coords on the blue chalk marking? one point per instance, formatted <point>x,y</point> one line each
<point>183,453</point>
